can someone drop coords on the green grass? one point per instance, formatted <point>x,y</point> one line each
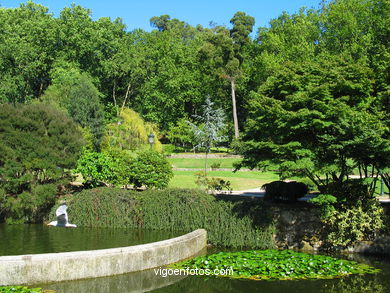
<point>199,163</point>
<point>240,180</point>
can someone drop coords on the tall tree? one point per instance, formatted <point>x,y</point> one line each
<point>226,51</point>
<point>318,109</point>
<point>242,27</point>
<point>27,49</point>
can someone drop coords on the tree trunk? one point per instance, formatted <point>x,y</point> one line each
<point>235,119</point>
<point>205,164</point>
<point>114,98</point>
<point>126,96</point>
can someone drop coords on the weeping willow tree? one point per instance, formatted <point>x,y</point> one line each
<point>130,133</point>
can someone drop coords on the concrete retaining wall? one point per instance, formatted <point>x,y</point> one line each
<point>54,267</point>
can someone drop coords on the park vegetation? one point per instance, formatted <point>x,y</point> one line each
<point>23,289</point>
<point>229,224</point>
<point>307,96</point>
<point>276,265</point>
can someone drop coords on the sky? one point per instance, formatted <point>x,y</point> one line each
<point>136,14</point>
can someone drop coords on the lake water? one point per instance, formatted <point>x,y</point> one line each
<point>27,239</point>
<point>38,238</point>
<point>148,281</point>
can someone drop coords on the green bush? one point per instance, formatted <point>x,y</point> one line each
<point>284,191</point>
<point>39,146</point>
<point>215,165</point>
<point>212,184</point>
<point>30,206</point>
<point>326,203</point>
<point>350,214</point>
<point>150,169</point>
<point>102,207</point>
<point>168,149</point>
<point>228,224</point>
<point>98,168</point>
<point>347,226</point>
<point>351,192</point>
<point>22,289</point>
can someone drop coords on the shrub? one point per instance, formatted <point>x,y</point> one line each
<point>150,169</point>
<point>168,149</point>
<point>22,289</point>
<point>211,184</point>
<point>30,206</point>
<point>326,203</point>
<point>102,207</point>
<point>352,192</point>
<point>101,167</point>
<point>353,224</point>
<point>285,191</point>
<point>228,224</point>
<point>215,165</point>
<point>219,184</point>
<point>351,215</point>
<point>39,146</point>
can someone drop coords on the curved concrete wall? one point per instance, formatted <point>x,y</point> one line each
<point>52,267</point>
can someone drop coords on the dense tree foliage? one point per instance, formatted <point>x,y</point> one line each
<point>77,95</point>
<point>39,146</point>
<point>130,133</point>
<point>309,93</point>
<point>319,110</point>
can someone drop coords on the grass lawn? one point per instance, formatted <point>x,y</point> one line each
<point>199,163</point>
<point>240,180</point>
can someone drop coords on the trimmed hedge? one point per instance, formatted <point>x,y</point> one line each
<point>231,224</point>
<point>285,191</point>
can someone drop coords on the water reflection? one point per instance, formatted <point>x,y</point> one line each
<point>30,239</point>
<point>144,281</point>
<point>21,239</point>
<point>148,281</point>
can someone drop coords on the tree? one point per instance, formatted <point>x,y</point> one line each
<point>130,133</point>
<point>226,50</point>
<point>312,124</point>
<point>319,108</point>
<point>211,123</point>
<point>181,134</point>
<point>27,50</point>
<point>77,95</point>
<point>39,146</point>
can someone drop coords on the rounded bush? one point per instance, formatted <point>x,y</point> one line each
<point>285,191</point>
<point>150,169</point>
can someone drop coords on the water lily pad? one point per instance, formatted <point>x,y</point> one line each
<point>276,265</point>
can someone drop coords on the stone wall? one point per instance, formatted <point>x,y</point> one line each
<point>54,267</point>
<point>298,226</point>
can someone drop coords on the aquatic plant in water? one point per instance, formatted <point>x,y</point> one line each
<point>276,265</point>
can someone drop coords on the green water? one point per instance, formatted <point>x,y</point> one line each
<point>148,281</point>
<point>31,239</point>
<point>23,239</point>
